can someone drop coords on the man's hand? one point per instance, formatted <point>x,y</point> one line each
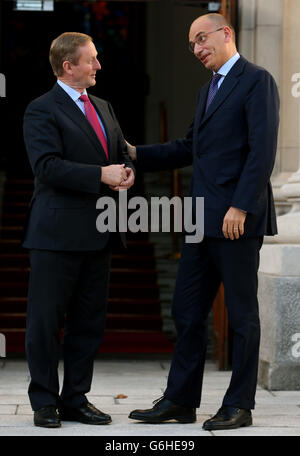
<point>233,223</point>
<point>113,174</point>
<point>127,183</point>
<point>131,151</point>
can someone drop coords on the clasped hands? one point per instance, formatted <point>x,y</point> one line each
<point>118,177</point>
<point>233,222</point>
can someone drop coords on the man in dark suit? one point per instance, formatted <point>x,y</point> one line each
<point>232,145</point>
<point>77,153</point>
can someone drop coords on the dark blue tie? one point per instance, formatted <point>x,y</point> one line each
<point>213,88</point>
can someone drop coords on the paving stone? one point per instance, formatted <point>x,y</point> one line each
<point>278,421</point>
<point>23,426</point>
<point>277,413</point>
<point>14,399</point>
<point>7,409</point>
<point>24,409</point>
<point>287,397</point>
<point>17,390</point>
<point>276,409</point>
<point>258,432</point>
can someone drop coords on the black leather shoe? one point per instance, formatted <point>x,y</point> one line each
<point>165,410</point>
<point>228,418</point>
<point>47,417</point>
<point>87,414</point>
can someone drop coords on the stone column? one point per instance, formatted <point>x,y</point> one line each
<point>260,34</point>
<point>279,276</point>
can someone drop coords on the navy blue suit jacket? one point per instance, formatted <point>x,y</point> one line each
<point>66,157</point>
<point>232,148</point>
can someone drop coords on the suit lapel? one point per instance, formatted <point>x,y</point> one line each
<point>228,85</point>
<point>202,103</point>
<point>72,110</point>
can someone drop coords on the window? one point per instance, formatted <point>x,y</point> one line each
<point>34,5</point>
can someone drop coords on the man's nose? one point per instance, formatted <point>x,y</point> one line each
<point>98,65</point>
<point>197,48</point>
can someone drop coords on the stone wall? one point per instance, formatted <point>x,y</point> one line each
<point>270,37</point>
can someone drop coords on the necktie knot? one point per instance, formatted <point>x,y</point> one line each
<point>216,78</point>
<point>84,98</point>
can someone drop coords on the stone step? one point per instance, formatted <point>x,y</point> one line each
<point>14,207</point>
<point>116,290</point>
<point>133,247</point>
<point>18,304</point>
<point>113,321</point>
<point>19,184</point>
<point>118,275</point>
<point>115,341</point>
<point>21,260</point>
<point>12,196</point>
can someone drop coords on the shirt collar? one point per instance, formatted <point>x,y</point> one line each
<point>74,94</point>
<point>224,70</point>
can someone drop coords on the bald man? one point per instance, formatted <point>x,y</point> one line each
<point>231,144</point>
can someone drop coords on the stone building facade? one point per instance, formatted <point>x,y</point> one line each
<point>270,36</point>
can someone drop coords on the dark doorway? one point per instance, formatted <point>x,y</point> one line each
<point>118,32</point>
<point>134,322</point>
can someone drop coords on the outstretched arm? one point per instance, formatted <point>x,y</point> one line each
<point>158,157</point>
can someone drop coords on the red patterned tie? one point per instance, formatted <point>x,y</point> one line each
<point>94,121</point>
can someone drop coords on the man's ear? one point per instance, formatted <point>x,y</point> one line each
<point>67,67</point>
<point>228,34</point>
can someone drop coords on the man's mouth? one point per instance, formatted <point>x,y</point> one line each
<point>204,58</point>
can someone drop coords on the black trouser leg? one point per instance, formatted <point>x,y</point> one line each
<point>239,263</point>
<point>196,287</point>
<point>75,284</point>
<point>52,280</point>
<point>202,267</point>
<point>84,327</point>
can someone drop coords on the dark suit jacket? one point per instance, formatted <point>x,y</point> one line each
<point>232,147</point>
<point>66,158</point>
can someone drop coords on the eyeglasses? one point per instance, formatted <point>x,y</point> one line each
<point>201,39</point>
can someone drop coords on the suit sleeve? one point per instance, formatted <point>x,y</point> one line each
<point>171,155</point>
<point>262,116</point>
<point>44,147</point>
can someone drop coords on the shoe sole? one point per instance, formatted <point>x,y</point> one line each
<point>178,418</point>
<point>224,428</point>
<point>85,422</point>
<point>48,425</point>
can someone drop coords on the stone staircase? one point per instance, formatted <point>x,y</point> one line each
<point>134,320</point>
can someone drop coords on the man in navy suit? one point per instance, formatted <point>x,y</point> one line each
<point>78,154</point>
<point>231,144</point>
